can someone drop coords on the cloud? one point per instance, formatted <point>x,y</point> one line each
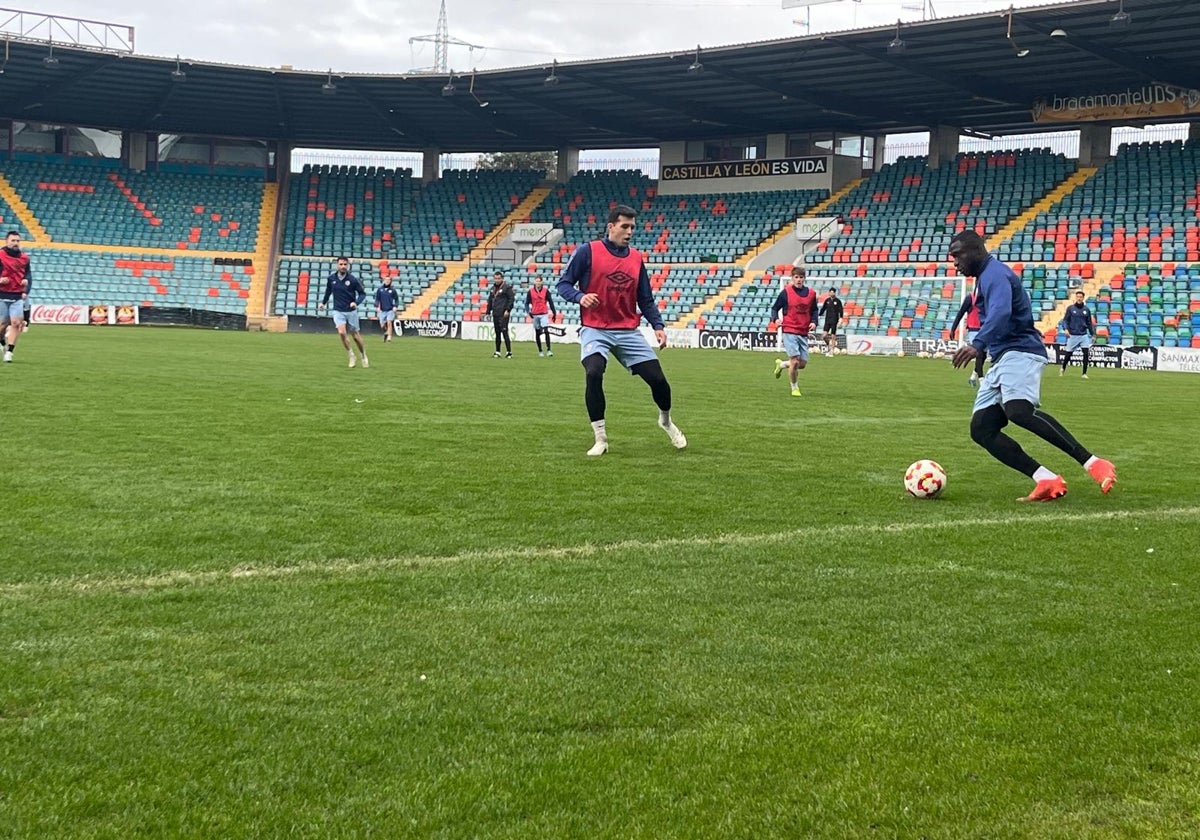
<point>372,36</point>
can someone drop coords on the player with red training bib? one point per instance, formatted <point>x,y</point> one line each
<point>14,290</point>
<point>540,306</point>
<point>608,280</point>
<point>798,303</point>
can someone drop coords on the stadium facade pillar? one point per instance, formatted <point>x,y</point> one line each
<point>1095,144</point>
<point>568,164</point>
<point>283,160</point>
<point>134,145</point>
<point>429,164</point>
<point>943,145</point>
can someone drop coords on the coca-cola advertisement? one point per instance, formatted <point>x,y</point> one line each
<point>58,313</point>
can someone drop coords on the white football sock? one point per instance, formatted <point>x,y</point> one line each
<point>1043,474</point>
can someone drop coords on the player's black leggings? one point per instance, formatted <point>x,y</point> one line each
<point>537,335</point>
<point>987,423</point>
<point>650,371</point>
<point>501,328</point>
<point>1086,358</point>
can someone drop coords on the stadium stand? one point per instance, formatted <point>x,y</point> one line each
<point>1150,305</point>
<point>133,278</point>
<point>1142,205</point>
<point>301,282</point>
<point>710,227</point>
<point>97,202</point>
<point>907,212</point>
<point>350,210</point>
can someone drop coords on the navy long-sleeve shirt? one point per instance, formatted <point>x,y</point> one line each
<point>1005,313</point>
<point>572,286</point>
<point>1078,320</point>
<point>344,290</point>
<point>386,299</point>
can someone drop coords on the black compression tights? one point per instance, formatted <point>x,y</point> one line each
<point>650,371</point>
<point>987,423</point>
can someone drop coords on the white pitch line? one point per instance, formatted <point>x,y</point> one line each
<point>85,584</point>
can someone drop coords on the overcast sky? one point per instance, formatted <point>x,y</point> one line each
<point>372,36</point>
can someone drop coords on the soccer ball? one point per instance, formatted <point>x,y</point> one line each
<point>900,353</point>
<point>925,479</point>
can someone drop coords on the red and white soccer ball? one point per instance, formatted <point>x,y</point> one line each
<point>925,479</point>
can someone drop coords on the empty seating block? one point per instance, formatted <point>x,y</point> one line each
<point>1144,204</point>
<point>710,227</point>
<point>454,214</point>
<point>346,210</point>
<point>1150,305</point>
<point>134,279</point>
<point>907,212</point>
<point>103,204</point>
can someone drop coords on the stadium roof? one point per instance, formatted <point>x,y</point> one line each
<point>962,71</point>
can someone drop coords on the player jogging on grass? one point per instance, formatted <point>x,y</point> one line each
<point>540,306</point>
<point>1081,329</point>
<point>608,280</point>
<point>798,303</point>
<point>1011,390</point>
<point>387,300</point>
<point>15,280</point>
<point>347,293</point>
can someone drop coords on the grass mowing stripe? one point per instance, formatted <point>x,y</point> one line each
<point>183,578</point>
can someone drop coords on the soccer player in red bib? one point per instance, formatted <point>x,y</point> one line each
<point>970,311</point>
<point>798,303</point>
<point>540,306</point>
<point>608,280</point>
<point>14,290</point>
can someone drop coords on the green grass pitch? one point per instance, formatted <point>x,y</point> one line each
<point>246,592</point>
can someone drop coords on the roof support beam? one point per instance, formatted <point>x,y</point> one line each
<point>847,105</point>
<point>973,85</point>
<point>583,116</point>
<point>695,111</point>
<point>1154,69</point>
<point>40,93</point>
<point>409,129</point>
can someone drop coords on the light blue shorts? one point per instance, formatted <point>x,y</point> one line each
<point>12,310</point>
<point>1076,342</point>
<point>1017,376</point>
<point>971,336</point>
<point>628,346</point>
<point>346,319</point>
<point>795,345</point>
<point>387,317</point>
<point>540,322</point>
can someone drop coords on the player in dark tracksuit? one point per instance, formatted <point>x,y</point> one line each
<point>1081,329</point>
<point>1011,391</point>
<point>501,299</point>
<point>833,311</point>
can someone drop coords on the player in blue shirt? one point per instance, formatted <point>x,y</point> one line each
<point>1081,329</point>
<point>387,300</point>
<point>1011,390</point>
<point>347,293</point>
